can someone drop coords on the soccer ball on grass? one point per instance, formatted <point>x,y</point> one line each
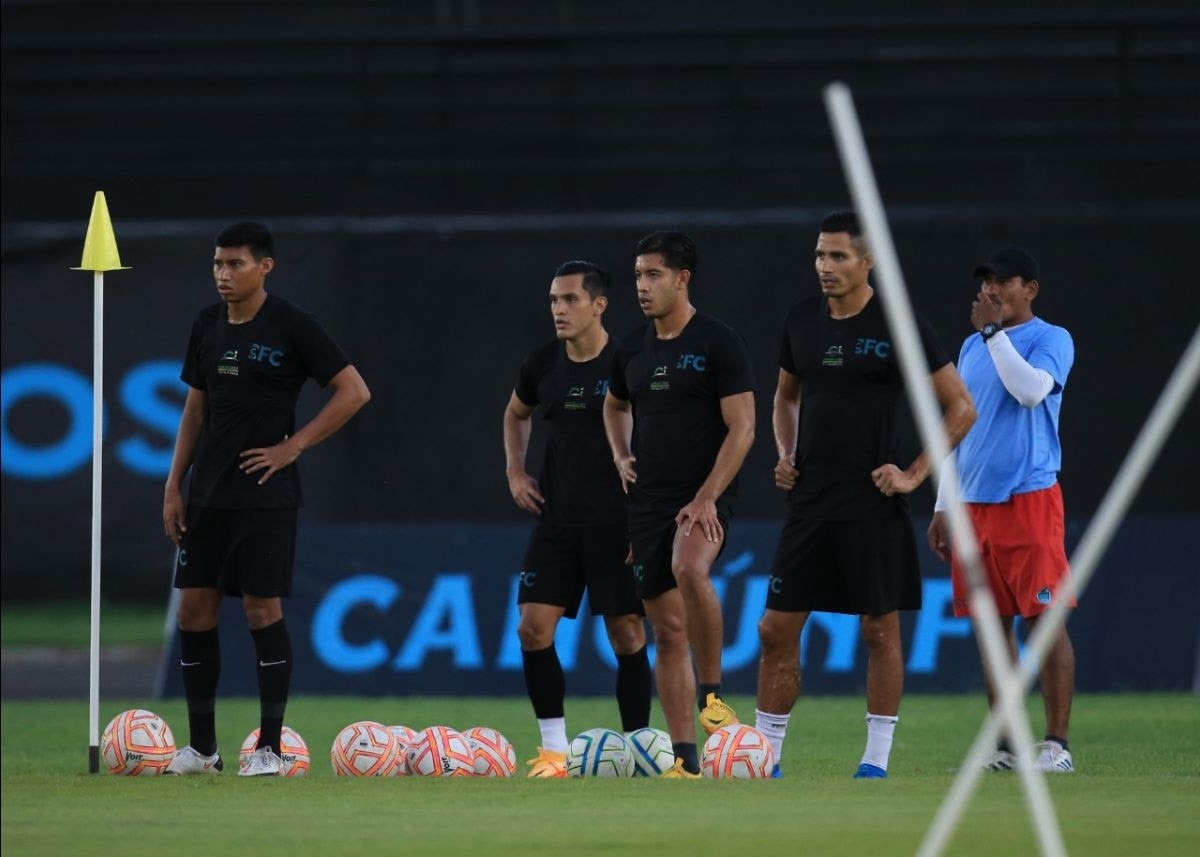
<point>294,752</point>
<point>137,743</point>
<point>600,753</point>
<point>738,752</point>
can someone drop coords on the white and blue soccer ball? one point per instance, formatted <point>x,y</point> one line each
<point>653,753</point>
<point>600,753</point>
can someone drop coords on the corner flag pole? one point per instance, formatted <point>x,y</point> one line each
<point>99,255</point>
<point>856,163</point>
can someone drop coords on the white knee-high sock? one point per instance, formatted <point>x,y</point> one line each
<point>774,726</point>
<point>880,729</point>
<point>554,734</point>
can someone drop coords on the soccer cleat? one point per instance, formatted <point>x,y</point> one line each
<point>262,763</point>
<point>188,762</point>
<point>867,771</point>
<point>548,765</point>
<point>716,713</point>
<point>777,772</point>
<point>678,772</point>
<point>1001,760</point>
<point>1054,759</point>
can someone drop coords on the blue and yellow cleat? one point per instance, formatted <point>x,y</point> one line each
<point>867,771</point>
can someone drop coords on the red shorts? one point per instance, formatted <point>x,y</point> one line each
<point>1024,557</point>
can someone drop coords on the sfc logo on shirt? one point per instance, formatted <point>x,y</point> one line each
<point>873,347</point>
<point>266,354</point>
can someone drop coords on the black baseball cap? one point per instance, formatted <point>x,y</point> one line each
<point>1010,261</point>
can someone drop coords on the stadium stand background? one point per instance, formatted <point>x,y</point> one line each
<point>426,165</point>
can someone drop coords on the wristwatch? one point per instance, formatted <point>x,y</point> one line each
<point>989,330</point>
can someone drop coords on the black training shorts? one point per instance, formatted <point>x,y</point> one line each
<point>653,542</point>
<point>562,561</point>
<point>238,551</point>
<point>865,568</point>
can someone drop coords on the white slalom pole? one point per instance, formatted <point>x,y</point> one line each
<point>99,255</point>
<point>97,471</point>
<point>1095,541</point>
<point>856,163</point>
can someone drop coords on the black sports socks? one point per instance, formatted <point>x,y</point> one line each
<point>200,662</point>
<point>687,753</point>
<point>633,689</point>
<point>273,647</point>
<point>545,681</point>
<point>704,690</point>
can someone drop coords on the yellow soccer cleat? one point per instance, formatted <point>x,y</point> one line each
<point>716,714</point>
<point>677,772</point>
<point>548,765</point>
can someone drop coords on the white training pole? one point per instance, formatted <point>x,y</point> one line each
<point>856,163</point>
<point>1095,541</point>
<point>97,466</point>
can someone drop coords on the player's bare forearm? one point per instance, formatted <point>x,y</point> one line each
<point>350,393</point>
<point>738,412</point>
<point>186,438</point>
<point>785,414</point>
<point>618,425</point>
<point>785,421</point>
<point>958,415</point>
<point>517,429</point>
<point>618,429</point>
<point>174,512</point>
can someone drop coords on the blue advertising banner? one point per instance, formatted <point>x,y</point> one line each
<point>430,608</point>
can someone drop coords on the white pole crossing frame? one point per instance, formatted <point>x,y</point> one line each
<point>1087,554</point>
<point>856,163</point>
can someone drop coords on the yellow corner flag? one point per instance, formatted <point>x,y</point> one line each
<point>100,244</point>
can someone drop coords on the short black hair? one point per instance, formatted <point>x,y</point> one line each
<point>247,233</point>
<point>596,280</point>
<point>842,221</point>
<point>846,221</point>
<point>678,250</point>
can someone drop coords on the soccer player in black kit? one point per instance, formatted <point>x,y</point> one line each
<point>680,420</point>
<point>847,458</point>
<point>246,361</point>
<point>581,539</point>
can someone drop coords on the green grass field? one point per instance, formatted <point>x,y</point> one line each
<point>1136,791</point>
<point>68,624</point>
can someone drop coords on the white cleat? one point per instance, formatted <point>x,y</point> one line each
<point>262,763</point>
<point>189,762</point>
<point>1054,759</point>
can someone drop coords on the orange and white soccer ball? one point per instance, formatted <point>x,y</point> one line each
<point>364,749</point>
<point>494,755</point>
<point>405,736</point>
<point>137,743</point>
<point>440,751</point>
<point>294,752</point>
<point>737,752</point>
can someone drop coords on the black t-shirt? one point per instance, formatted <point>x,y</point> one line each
<point>854,413</point>
<point>252,374</point>
<point>577,477</point>
<point>676,386</point>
